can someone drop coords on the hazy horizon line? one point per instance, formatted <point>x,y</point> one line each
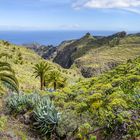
<point>87,30</point>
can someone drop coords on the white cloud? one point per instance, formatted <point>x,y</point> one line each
<point>129,5</point>
<point>134,10</point>
<point>66,26</point>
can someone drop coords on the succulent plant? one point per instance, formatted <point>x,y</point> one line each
<point>16,103</point>
<point>45,116</point>
<point>33,99</point>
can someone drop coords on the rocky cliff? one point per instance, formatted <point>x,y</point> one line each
<point>47,52</point>
<point>93,55</point>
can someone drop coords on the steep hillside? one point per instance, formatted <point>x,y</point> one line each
<point>105,107</point>
<point>22,60</point>
<point>65,51</point>
<point>94,55</point>
<point>111,102</point>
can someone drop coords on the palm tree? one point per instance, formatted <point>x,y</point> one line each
<point>41,70</point>
<point>6,55</point>
<point>6,43</point>
<point>7,77</point>
<point>56,79</point>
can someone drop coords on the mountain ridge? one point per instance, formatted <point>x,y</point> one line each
<point>94,55</point>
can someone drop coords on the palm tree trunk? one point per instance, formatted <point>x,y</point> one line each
<point>41,83</point>
<point>54,85</point>
<point>44,83</point>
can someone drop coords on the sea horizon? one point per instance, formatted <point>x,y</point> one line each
<point>50,37</point>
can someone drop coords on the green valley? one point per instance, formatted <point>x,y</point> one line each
<point>89,89</point>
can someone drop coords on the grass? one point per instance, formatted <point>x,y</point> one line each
<point>22,61</point>
<point>91,56</point>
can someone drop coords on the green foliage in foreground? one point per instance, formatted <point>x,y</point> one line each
<point>3,122</point>
<point>112,102</point>
<point>107,106</point>
<point>45,116</point>
<point>21,103</point>
<point>7,77</point>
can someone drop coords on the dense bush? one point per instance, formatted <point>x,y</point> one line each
<point>107,106</point>
<point>111,100</point>
<point>3,123</point>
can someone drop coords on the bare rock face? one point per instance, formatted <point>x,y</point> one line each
<point>112,64</point>
<point>64,57</point>
<point>46,52</point>
<point>88,72</point>
<point>65,52</point>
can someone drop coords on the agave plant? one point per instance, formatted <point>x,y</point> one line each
<point>45,116</point>
<point>33,99</point>
<point>16,103</point>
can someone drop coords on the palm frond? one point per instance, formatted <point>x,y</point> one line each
<point>7,77</point>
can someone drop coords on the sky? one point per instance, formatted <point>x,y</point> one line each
<point>101,15</point>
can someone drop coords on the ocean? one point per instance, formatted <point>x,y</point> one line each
<point>46,37</point>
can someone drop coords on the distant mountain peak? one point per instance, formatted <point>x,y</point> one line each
<point>120,34</point>
<point>87,36</point>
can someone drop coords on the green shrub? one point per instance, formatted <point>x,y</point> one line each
<point>116,82</point>
<point>68,124</point>
<point>134,78</point>
<point>3,122</point>
<point>81,107</point>
<point>83,132</point>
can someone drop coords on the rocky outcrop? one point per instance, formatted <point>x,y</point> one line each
<point>65,56</point>
<point>68,53</point>
<point>105,40</point>
<point>90,54</point>
<point>50,53</point>
<point>88,72</point>
<point>119,34</point>
<point>47,52</point>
